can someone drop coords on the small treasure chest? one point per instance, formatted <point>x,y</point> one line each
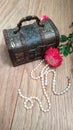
<point>28,43</point>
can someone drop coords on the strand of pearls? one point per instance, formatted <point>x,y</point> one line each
<point>36,68</point>
<point>44,82</point>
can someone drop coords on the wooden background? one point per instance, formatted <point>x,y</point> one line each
<point>13,116</point>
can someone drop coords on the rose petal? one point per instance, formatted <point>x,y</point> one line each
<point>53,57</point>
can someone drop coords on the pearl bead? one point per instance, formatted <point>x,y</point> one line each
<point>31,103</point>
<point>44,81</point>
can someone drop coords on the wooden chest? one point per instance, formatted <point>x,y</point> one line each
<point>28,43</point>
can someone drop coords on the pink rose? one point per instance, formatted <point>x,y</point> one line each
<point>53,57</point>
<point>44,18</point>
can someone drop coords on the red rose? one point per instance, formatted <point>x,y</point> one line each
<point>44,18</point>
<point>53,57</point>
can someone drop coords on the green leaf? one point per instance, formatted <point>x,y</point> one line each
<point>72,23</point>
<point>63,38</point>
<point>66,49</point>
<point>70,35</point>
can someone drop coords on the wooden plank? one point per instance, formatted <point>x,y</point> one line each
<point>10,80</point>
<point>13,116</point>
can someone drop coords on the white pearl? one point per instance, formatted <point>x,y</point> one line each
<point>44,81</point>
<point>53,84</point>
<point>31,103</point>
<point>54,80</point>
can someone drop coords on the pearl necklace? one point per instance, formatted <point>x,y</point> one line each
<point>44,82</point>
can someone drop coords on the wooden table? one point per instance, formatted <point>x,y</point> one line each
<point>13,116</point>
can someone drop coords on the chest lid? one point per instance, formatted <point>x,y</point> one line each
<point>33,36</point>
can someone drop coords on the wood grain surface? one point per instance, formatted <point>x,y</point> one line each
<point>13,116</point>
